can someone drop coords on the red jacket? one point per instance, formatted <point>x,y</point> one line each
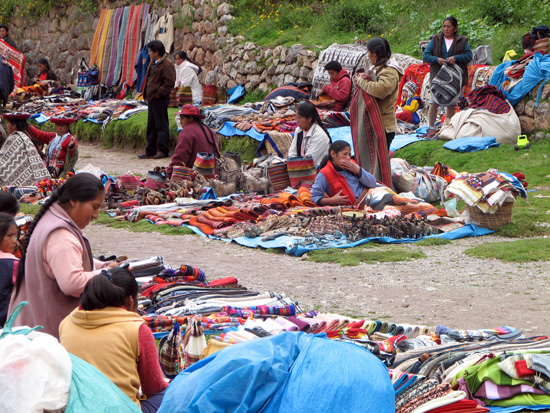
<point>191,141</point>
<point>339,90</point>
<point>59,155</point>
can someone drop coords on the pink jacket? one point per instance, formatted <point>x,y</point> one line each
<point>339,90</point>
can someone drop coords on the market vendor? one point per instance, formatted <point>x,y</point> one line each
<point>195,137</point>
<point>340,180</point>
<point>310,137</point>
<point>339,88</point>
<point>21,163</point>
<point>62,152</point>
<point>44,80</point>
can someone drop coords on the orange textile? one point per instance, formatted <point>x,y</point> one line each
<point>305,197</point>
<point>207,229</point>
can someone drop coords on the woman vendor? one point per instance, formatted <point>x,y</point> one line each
<point>339,88</point>
<point>45,76</point>
<point>21,164</point>
<point>340,180</point>
<point>310,137</point>
<point>187,72</point>
<point>106,331</point>
<point>195,137</point>
<point>62,152</point>
<point>57,259</point>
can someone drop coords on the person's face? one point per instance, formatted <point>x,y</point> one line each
<point>338,157</point>
<point>154,55</point>
<point>304,123</point>
<point>11,127</point>
<point>41,68</point>
<point>448,29</point>
<point>61,129</point>
<point>333,74</point>
<point>82,213</point>
<point>185,120</point>
<point>3,33</point>
<point>372,57</point>
<point>9,243</point>
<point>405,94</point>
<point>178,60</point>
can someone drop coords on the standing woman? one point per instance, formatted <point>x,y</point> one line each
<point>373,122</point>
<point>187,73</point>
<point>447,47</point>
<point>310,137</point>
<point>57,259</point>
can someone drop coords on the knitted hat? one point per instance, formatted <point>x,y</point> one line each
<point>190,110</point>
<point>410,87</point>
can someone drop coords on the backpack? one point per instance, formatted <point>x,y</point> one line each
<point>445,87</point>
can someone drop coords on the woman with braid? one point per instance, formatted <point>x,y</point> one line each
<point>310,137</point>
<point>57,259</point>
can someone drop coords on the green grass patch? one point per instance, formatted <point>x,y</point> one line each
<point>354,256</point>
<point>29,209</point>
<point>252,96</point>
<point>525,250</point>
<point>428,242</point>
<point>244,145</point>
<point>141,226</point>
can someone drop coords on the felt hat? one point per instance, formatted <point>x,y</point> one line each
<point>191,110</point>
<point>16,116</point>
<point>63,121</point>
<point>411,88</point>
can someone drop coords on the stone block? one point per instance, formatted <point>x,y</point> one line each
<point>520,107</point>
<point>251,67</point>
<point>280,69</point>
<point>233,73</point>
<point>217,59</point>
<point>263,76</point>
<point>271,70</point>
<point>254,81</point>
<point>224,20</point>
<point>530,108</point>
<point>527,124</point>
<point>268,53</point>
<point>292,53</point>
<point>206,11</point>
<point>231,83</point>
<point>279,80</point>
<point>221,42</point>
<point>546,92</point>
<point>539,136</point>
<point>222,30</point>
<point>188,42</point>
<point>277,51</point>
<point>294,70</point>
<point>283,54</point>
<point>263,87</point>
<point>208,27</point>
<point>211,78</point>
<point>62,43</point>
<point>224,8</point>
<point>198,14</point>
<point>199,56</point>
<point>304,72</point>
<point>289,79</point>
<point>542,116</point>
<point>249,55</point>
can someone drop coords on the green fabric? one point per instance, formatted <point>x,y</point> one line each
<point>521,400</point>
<point>92,391</point>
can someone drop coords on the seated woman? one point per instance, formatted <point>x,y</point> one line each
<point>62,152</point>
<point>340,180</point>
<point>310,137</point>
<point>410,104</point>
<point>187,72</point>
<point>195,137</point>
<point>339,88</point>
<point>20,162</point>
<point>45,78</point>
<point>106,331</point>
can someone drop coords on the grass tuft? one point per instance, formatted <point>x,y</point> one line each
<point>141,226</point>
<point>427,242</point>
<point>524,250</point>
<point>355,256</point>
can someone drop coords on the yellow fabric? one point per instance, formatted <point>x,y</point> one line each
<point>109,340</point>
<point>213,346</point>
<point>103,40</point>
<point>509,55</point>
<point>413,107</point>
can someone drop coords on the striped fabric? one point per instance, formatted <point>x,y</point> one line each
<point>17,61</point>
<point>205,164</point>
<point>110,68</point>
<point>185,95</point>
<point>222,95</point>
<point>97,36</point>
<point>301,171</point>
<point>173,99</point>
<point>209,95</point>
<point>103,40</point>
<point>121,44</point>
<point>278,176</point>
<point>182,173</point>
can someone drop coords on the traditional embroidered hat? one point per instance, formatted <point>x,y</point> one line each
<point>411,88</point>
<point>16,116</point>
<point>190,110</point>
<point>63,121</point>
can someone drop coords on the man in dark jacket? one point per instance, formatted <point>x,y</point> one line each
<point>160,79</point>
<point>7,81</point>
<point>5,36</point>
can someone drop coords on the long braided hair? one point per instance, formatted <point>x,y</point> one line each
<point>308,110</point>
<point>82,187</point>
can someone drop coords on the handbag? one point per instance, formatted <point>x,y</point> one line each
<point>301,171</point>
<point>445,87</point>
<point>193,342</point>
<point>170,353</point>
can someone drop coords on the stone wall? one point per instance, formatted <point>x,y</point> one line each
<point>535,121</point>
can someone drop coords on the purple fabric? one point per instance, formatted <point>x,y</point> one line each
<point>492,391</point>
<point>301,325</point>
<point>152,404</point>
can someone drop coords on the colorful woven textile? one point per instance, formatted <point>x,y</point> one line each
<point>415,73</point>
<point>278,176</point>
<point>489,98</point>
<point>301,171</point>
<point>245,312</point>
<point>94,50</point>
<point>121,44</point>
<point>205,164</point>
<point>17,61</point>
<point>109,69</point>
<point>209,95</point>
<point>182,173</point>
<point>185,95</point>
<point>20,163</point>
<point>369,137</point>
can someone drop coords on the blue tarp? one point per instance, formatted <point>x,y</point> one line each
<point>235,93</point>
<point>472,144</point>
<point>400,141</point>
<point>342,133</point>
<point>545,407</point>
<point>229,129</point>
<point>40,117</point>
<point>290,372</point>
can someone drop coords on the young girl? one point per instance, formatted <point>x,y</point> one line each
<point>8,262</point>
<point>340,180</point>
<point>107,332</point>
<point>410,104</point>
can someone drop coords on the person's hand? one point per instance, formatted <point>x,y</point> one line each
<point>350,166</point>
<point>451,60</point>
<point>441,61</point>
<point>72,142</point>
<point>112,264</point>
<point>339,199</point>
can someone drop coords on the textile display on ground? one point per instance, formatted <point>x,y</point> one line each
<point>17,61</point>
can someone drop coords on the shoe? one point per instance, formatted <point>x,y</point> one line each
<point>145,156</point>
<point>160,155</point>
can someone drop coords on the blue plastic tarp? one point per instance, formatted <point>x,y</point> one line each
<point>229,129</point>
<point>342,133</point>
<point>400,141</point>
<point>40,117</point>
<point>235,93</point>
<point>472,144</point>
<point>290,372</point>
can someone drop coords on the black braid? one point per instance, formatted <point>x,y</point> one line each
<point>21,268</point>
<point>306,109</point>
<point>317,119</point>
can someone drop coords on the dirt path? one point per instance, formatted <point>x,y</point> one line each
<point>448,287</point>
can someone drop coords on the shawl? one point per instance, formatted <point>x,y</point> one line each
<point>20,163</point>
<point>369,137</point>
<point>337,182</point>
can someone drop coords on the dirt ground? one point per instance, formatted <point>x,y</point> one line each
<point>447,288</point>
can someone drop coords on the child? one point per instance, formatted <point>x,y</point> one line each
<point>340,180</point>
<point>8,262</point>
<point>107,332</point>
<point>410,104</point>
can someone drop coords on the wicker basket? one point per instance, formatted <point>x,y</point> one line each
<point>502,216</point>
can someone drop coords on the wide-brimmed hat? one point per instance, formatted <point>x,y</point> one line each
<point>191,110</point>
<point>63,121</point>
<point>16,116</point>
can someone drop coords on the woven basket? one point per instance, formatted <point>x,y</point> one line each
<point>502,216</point>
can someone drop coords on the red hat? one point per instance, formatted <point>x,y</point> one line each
<point>63,121</point>
<point>191,110</point>
<point>16,116</point>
